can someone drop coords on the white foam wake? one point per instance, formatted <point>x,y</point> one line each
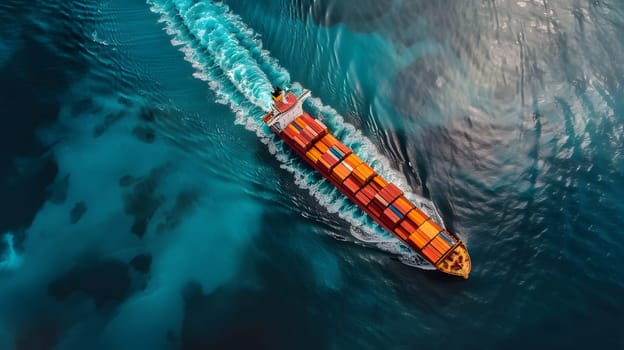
<point>191,23</point>
<point>11,260</point>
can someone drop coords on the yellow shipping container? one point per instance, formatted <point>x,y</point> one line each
<point>430,229</point>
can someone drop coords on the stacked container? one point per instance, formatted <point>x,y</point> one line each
<point>383,200</point>
<point>305,131</point>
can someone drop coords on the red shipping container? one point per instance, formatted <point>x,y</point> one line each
<point>315,124</point>
<point>324,165</point>
<point>321,124</point>
<point>291,132</point>
<point>401,233</point>
<point>300,141</point>
<point>395,191</point>
<point>306,117</point>
<point>379,199</point>
<point>308,136</point>
<point>370,191</point>
<point>362,198</point>
<point>331,158</point>
<point>344,149</point>
<point>388,195</point>
<point>375,208</point>
<point>391,216</point>
<point>409,226</point>
<point>351,185</point>
<point>312,132</point>
<point>433,254</point>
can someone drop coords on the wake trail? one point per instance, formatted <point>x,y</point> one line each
<point>228,55</point>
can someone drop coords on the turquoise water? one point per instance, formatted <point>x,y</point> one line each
<point>144,205</point>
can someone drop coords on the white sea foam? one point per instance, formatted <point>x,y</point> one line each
<point>11,260</point>
<point>242,90</point>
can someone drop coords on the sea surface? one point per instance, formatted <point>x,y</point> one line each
<point>143,204</point>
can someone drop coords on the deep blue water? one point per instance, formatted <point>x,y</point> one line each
<point>144,206</point>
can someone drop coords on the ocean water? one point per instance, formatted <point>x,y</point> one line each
<point>143,205</point>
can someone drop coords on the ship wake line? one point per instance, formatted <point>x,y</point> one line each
<point>228,55</point>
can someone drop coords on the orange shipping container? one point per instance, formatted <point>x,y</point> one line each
<point>440,244</point>
<point>329,140</point>
<point>423,236</point>
<point>363,173</point>
<point>300,122</point>
<point>432,253</point>
<point>430,228</point>
<point>313,154</point>
<point>380,182</point>
<point>403,205</point>
<point>417,216</point>
<point>418,239</point>
<point>340,172</point>
<point>291,132</point>
<point>353,160</point>
<point>321,146</point>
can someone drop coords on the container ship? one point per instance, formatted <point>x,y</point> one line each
<point>383,201</point>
